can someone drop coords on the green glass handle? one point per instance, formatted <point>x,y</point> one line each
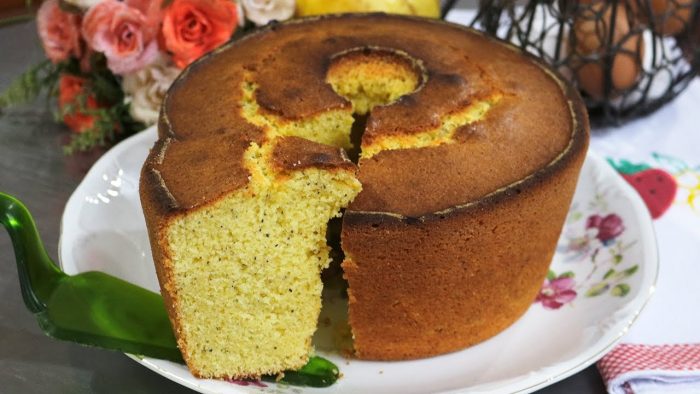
<point>91,308</point>
<point>318,372</point>
<point>96,309</point>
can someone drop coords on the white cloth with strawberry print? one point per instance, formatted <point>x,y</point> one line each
<point>660,157</point>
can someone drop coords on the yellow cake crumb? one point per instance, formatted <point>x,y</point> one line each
<point>330,127</point>
<point>248,269</point>
<point>369,79</point>
<point>444,134</point>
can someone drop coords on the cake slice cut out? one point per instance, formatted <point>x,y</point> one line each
<point>242,273</point>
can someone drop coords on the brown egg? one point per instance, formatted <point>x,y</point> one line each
<point>690,42</point>
<point>592,45</point>
<point>670,17</point>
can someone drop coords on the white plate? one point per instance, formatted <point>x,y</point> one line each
<point>104,229</point>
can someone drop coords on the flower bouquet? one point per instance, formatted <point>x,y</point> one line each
<point>110,62</point>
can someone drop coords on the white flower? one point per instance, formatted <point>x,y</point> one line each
<point>261,12</point>
<point>84,4</point>
<point>241,14</point>
<point>146,88</point>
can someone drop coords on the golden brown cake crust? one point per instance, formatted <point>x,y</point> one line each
<point>461,66</point>
<point>460,276</point>
<point>294,153</point>
<point>448,244</point>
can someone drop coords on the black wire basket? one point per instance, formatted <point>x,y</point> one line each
<point>627,57</point>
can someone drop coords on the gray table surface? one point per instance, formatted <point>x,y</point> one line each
<point>34,169</point>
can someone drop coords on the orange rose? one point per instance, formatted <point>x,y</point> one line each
<point>192,28</point>
<point>70,88</point>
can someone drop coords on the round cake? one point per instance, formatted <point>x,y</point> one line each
<point>468,152</point>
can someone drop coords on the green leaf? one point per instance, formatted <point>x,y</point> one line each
<point>100,134</point>
<point>626,167</point>
<point>620,290</point>
<point>609,273</point>
<point>104,131</point>
<point>598,289</point>
<point>567,274</point>
<point>27,86</point>
<point>617,258</point>
<point>106,90</point>
<point>72,66</point>
<point>105,84</point>
<point>84,141</point>
<point>576,216</point>
<point>630,271</point>
<point>677,165</point>
<point>551,275</point>
<point>318,372</point>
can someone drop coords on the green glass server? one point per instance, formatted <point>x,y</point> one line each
<point>96,309</point>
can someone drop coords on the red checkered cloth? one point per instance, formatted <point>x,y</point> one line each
<point>645,369</point>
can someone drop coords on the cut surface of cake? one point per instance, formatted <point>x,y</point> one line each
<point>242,272</point>
<point>468,163</point>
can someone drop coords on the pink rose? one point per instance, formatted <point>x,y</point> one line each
<point>192,28</point>
<point>59,32</point>
<point>151,9</point>
<point>125,35</point>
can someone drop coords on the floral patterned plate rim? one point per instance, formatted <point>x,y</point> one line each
<point>602,275</point>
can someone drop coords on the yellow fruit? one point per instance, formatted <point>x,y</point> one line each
<point>429,8</point>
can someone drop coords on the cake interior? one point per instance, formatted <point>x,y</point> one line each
<point>247,266</point>
<point>368,78</point>
<point>330,127</point>
<point>248,269</point>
